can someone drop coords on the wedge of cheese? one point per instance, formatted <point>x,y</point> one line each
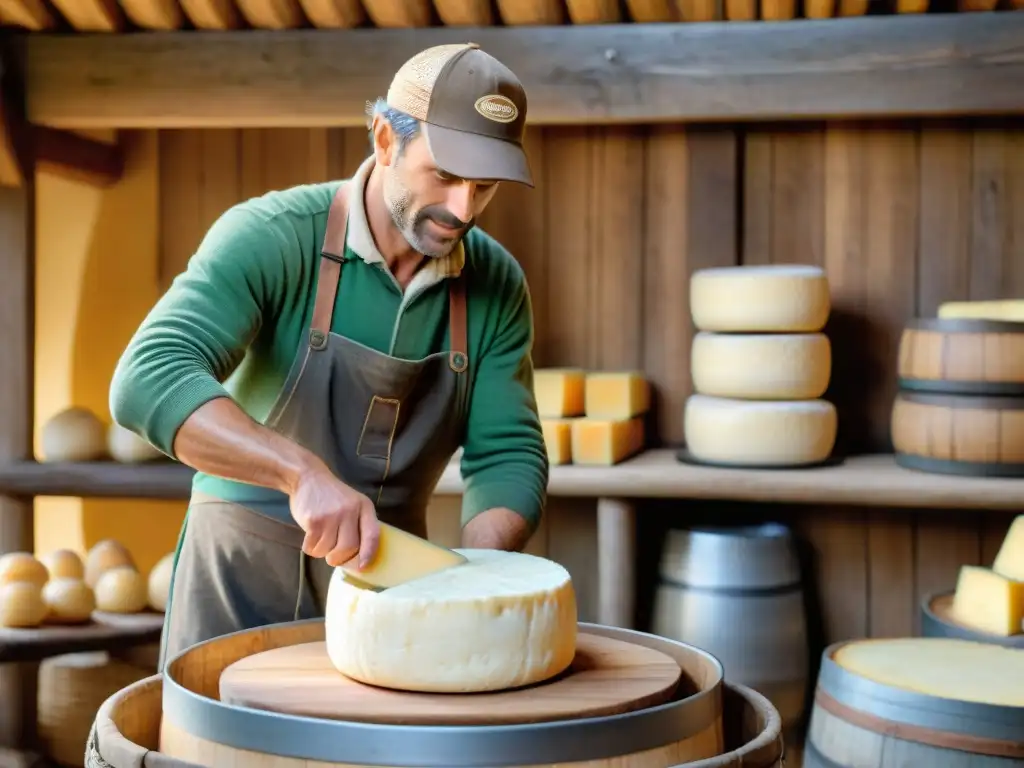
<point>500,620</point>
<point>604,442</point>
<point>950,669</point>
<point>400,557</point>
<point>988,602</point>
<point>616,395</point>
<point>1009,560</point>
<point>559,392</point>
<point>557,440</point>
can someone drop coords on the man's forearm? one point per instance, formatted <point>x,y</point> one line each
<point>220,439</point>
<point>497,528</point>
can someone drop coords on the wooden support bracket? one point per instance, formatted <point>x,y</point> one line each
<point>24,146</point>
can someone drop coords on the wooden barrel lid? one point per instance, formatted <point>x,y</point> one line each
<point>608,676</point>
<point>937,621</point>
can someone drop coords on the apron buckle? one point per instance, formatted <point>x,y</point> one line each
<point>457,361</point>
<point>317,339</point>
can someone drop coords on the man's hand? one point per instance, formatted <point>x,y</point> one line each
<point>497,528</point>
<point>339,521</point>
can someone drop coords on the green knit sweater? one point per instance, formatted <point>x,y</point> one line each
<point>231,324</point>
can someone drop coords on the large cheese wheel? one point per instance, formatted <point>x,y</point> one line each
<point>21,605</point>
<point>1006,309</point>
<point>775,298</point>
<point>74,434</point>
<point>22,566</point>
<point>951,669</point>
<point>501,620</point>
<point>125,446</point>
<point>759,432</point>
<point>788,366</point>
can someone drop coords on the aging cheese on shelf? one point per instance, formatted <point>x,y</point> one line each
<point>987,601</point>
<point>759,432</point>
<point>558,440</point>
<point>1008,309</point>
<point>616,395</point>
<point>604,442</point>
<point>74,434</point>
<point>500,620</point>
<point>1009,560</point>
<point>776,366</point>
<point>776,298</point>
<point>943,667</point>
<point>400,557</point>
<point>22,566</point>
<point>22,605</point>
<point>559,392</point>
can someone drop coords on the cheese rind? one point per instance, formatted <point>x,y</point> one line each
<point>950,669</point>
<point>1007,310</point>
<point>500,620</point>
<point>559,392</point>
<point>1009,560</point>
<point>604,442</point>
<point>776,298</point>
<point>759,432</point>
<point>557,440</point>
<point>616,395</point>
<point>789,366</point>
<point>986,601</point>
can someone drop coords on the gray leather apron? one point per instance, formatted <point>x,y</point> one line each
<point>385,426</point>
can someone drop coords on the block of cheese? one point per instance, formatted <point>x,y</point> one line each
<point>987,601</point>
<point>1009,560</point>
<point>616,395</point>
<point>559,392</point>
<point>558,440</point>
<point>761,366</point>
<point>1009,309</point>
<point>759,432</point>
<point>773,298</point>
<point>500,620</point>
<point>604,442</point>
<point>939,666</point>
<point>400,557</point>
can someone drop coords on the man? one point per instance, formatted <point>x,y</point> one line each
<point>328,349</point>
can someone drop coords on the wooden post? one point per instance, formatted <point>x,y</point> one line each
<point>616,562</point>
<point>17,353</point>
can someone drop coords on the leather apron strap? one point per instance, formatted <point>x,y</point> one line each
<point>332,256</point>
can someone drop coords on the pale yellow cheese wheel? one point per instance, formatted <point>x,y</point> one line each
<point>74,434</point>
<point>159,583</point>
<point>102,557</point>
<point>64,564</point>
<point>22,566</point>
<point>121,590</point>
<point>21,605</point>
<point>70,601</point>
<point>125,446</point>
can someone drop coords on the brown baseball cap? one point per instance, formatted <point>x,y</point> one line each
<point>472,109</point>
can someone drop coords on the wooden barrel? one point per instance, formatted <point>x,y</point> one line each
<point>979,436</point>
<point>737,593</point>
<point>198,728</point>
<point>962,356</point>
<point>868,719</point>
<point>937,621</point>
<point>127,731</point>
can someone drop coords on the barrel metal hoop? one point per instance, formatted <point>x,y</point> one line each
<point>420,746</point>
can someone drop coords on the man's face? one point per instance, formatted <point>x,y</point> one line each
<point>431,209</point>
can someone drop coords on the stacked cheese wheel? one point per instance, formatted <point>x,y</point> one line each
<point>62,589</point>
<point>760,365</point>
<point>593,418</point>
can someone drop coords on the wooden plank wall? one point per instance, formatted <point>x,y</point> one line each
<point>902,216</point>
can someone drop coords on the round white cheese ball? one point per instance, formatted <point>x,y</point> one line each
<point>501,620</point>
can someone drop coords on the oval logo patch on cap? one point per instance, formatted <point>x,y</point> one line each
<point>496,107</point>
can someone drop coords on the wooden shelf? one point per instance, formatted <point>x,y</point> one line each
<point>106,632</point>
<point>860,480</point>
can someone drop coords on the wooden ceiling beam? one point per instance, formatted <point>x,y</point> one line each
<point>893,66</point>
